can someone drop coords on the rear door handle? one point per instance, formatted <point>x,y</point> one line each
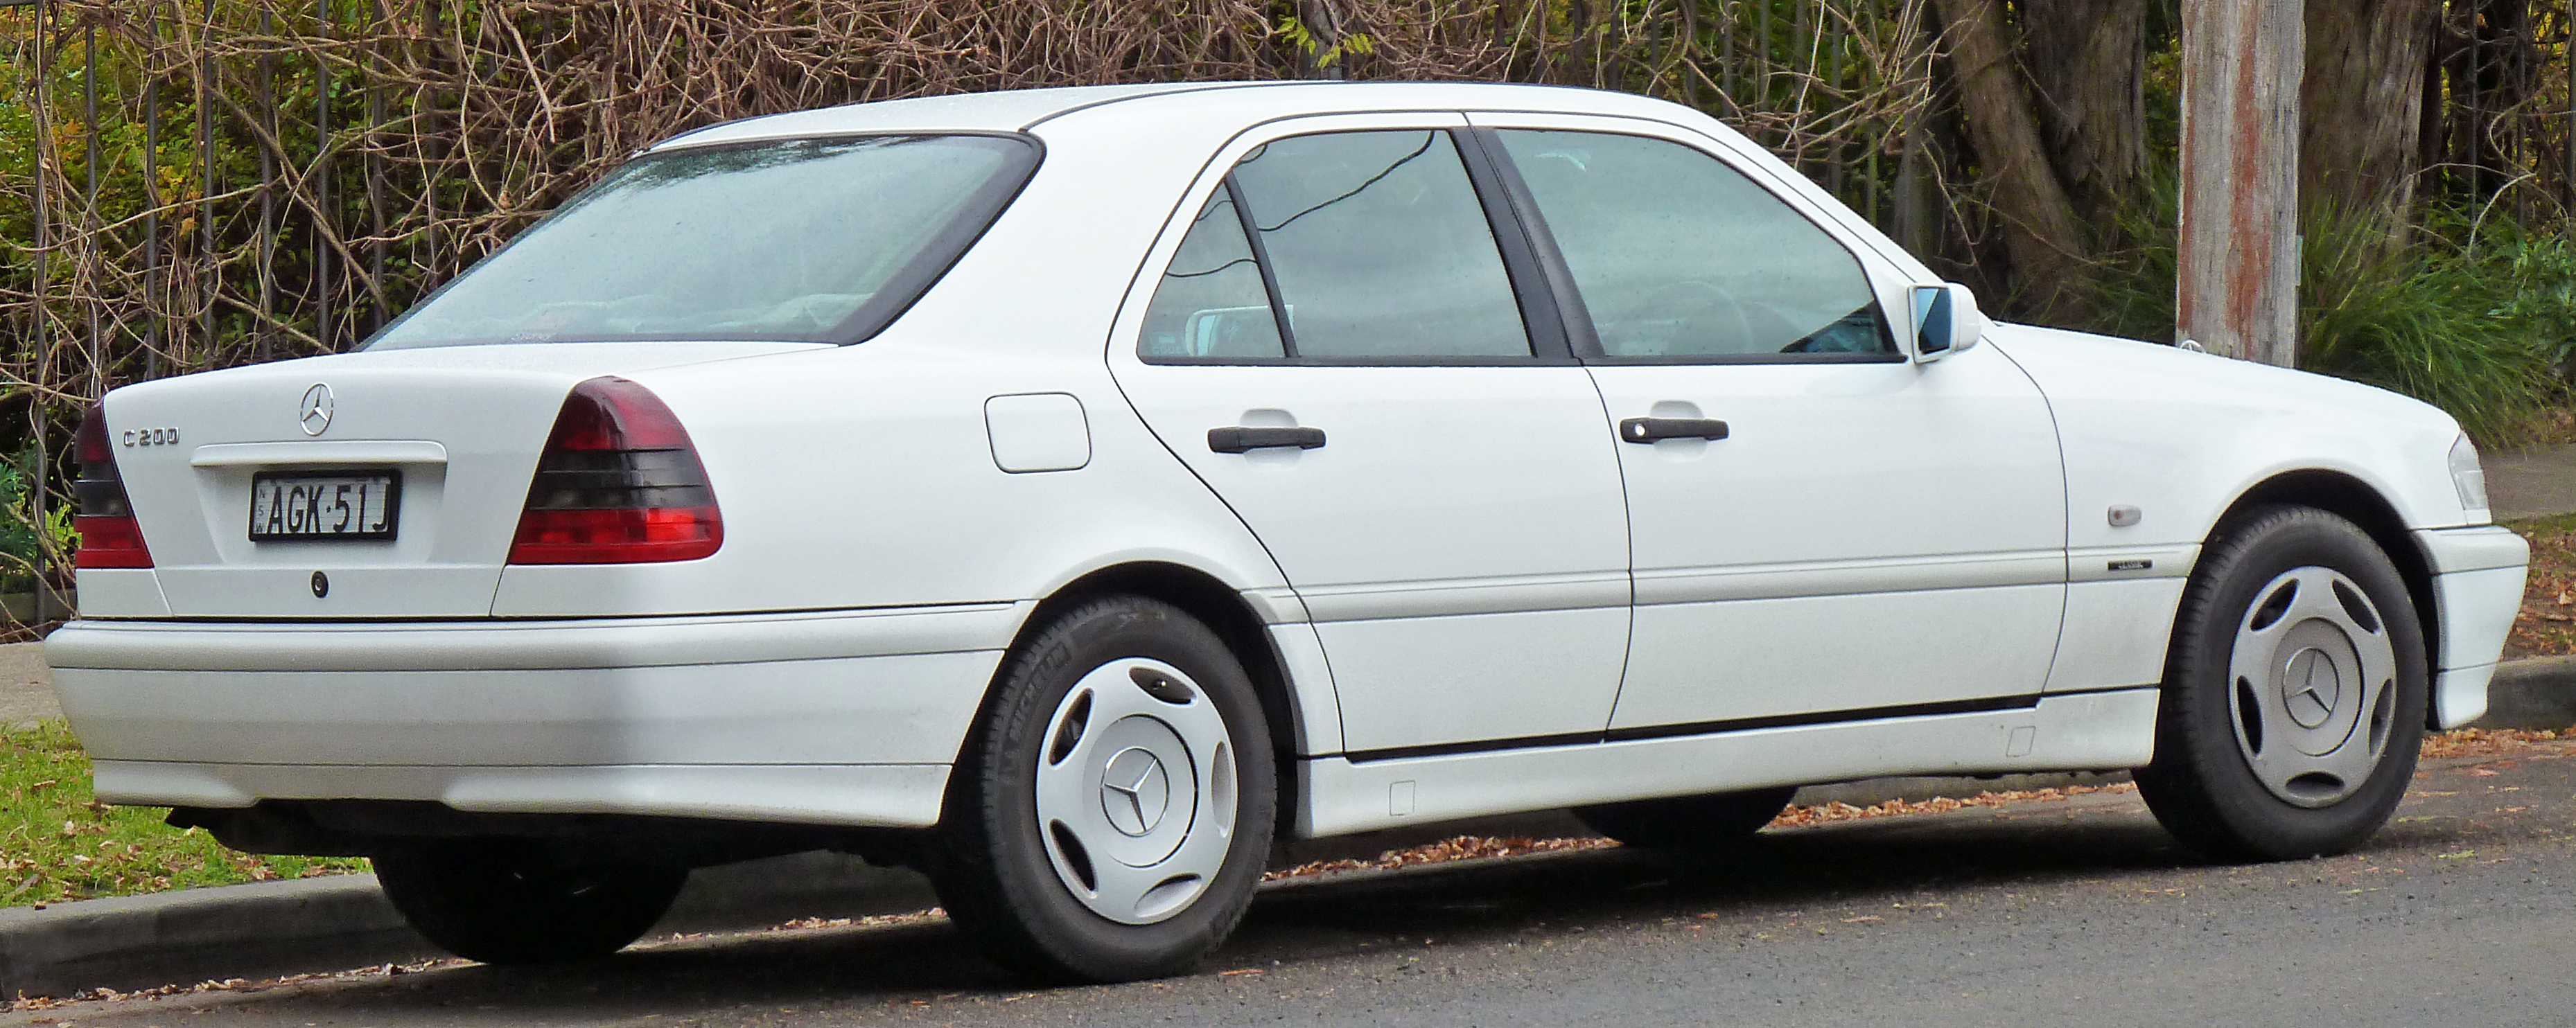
<point>1238,438</point>
<point>1647,430</point>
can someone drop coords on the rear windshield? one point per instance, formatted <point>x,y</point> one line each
<point>810,240</point>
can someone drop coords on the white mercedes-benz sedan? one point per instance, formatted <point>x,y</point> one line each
<point>1073,492</point>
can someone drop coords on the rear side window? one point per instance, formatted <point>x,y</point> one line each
<point>1211,302</point>
<point>1374,244</point>
<point>807,240</point>
<point>1677,255</point>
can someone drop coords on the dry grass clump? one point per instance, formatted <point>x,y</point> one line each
<point>2547,623</point>
<point>1800,817</point>
<point>1463,847</point>
<point>2484,742</point>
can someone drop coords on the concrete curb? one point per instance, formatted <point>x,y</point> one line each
<point>235,931</point>
<point>327,924</point>
<point>2539,692</point>
<point>269,929</point>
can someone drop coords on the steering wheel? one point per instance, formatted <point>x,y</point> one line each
<point>1852,333</point>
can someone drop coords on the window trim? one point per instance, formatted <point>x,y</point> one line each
<point>1574,320</point>
<point>1260,266</point>
<point>1888,357</point>
<point>1586,337</point>
<point>1428,361</point>
<point>1520,280</point>
<point>1533,287</point>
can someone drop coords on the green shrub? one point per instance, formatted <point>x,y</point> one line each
<point>20,552</point>
<point>2543,272</point>
<point>2132,285</point>
<point>2454,324</point>
<point>2479,320</point>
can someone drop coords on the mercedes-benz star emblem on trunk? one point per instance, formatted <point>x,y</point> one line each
<point>315,414</point>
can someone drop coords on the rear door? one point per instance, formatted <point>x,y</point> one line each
<point>1336,346</point>
<point>1823,529</point>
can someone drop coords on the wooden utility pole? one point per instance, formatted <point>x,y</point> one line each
<point>2239,262</point>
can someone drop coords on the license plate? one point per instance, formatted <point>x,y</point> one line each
<point>324,505</point>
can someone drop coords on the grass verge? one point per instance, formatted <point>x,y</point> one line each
<point>57,842</point>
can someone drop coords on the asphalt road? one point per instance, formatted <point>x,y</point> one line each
<point>2075,912</point>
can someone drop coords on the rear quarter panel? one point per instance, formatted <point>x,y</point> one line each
<point>862,476</point>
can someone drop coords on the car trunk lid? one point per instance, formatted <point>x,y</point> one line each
<point>461,427</point>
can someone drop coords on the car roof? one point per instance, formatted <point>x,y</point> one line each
<point>1020,110</point>
<point>1205,110</point>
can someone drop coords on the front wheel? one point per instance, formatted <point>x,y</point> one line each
<point>1112,811</point>
<point>2294,695</point>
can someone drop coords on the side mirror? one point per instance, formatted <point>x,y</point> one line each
<point>1946,320</point>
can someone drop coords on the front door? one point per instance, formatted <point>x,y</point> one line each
<point>1338,349</point>
<point>1822,529</point>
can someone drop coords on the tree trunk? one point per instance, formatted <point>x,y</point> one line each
<point>2040,228</point>
<point>2088,59</point>
<point>2503,29</point>
<point>2433,124</point>
<point>2364,97</point>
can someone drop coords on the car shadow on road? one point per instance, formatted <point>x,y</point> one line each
<point>1779,870</point>
<point>1322,919</point>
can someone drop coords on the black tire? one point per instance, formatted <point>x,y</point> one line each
<point>1710,822</point>
<point>2204,784</point>
<point>504,901</point>
<point>1016,888</point>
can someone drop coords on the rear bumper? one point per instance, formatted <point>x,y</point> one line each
<point>2477,590</point>
<point>848,718</point>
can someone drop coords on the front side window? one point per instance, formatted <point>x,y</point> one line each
<point>1677,255</point>
<point>807,240</point>
<point>1374,244</point>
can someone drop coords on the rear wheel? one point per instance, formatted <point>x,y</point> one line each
<point>1688,822</point>
<point>509,902</point>
<point>2294,696</point>
<point>1111,814</point>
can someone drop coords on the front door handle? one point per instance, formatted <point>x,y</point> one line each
<point>1647,430</point>
<point>1238,438</point>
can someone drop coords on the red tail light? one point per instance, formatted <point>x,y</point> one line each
<point>619,483</point>
<point>109,536</point>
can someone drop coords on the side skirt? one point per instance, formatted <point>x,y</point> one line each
<point>2080,732</point>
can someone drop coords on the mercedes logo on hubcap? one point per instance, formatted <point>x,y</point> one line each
<point>315,413</point>
<point>1134,790</point>
<point>2310,687</point>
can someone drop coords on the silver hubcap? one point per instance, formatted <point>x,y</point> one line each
<point>1136,791</point>
<point>2313,680</point>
